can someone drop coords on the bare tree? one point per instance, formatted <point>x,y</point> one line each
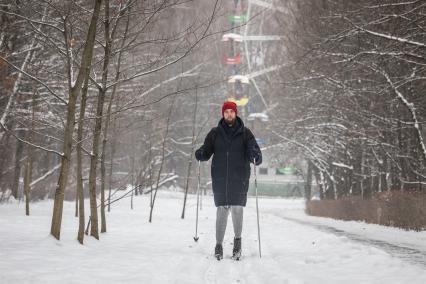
<point>75,89</point>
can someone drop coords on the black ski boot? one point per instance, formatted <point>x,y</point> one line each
<point>236,251</point>
<point>218,251</point>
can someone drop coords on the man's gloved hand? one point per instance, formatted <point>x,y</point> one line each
<point>199,155</point>
<point>254,157</point>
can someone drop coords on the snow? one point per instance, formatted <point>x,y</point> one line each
<point>260,115</point>
<point>391,235</point>
<point>342,165</point>
<point>295,248</point>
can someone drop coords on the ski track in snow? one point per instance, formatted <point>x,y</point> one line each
<point>249,268</point>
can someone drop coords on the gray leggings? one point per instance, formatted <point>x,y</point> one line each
<point>222,219</point>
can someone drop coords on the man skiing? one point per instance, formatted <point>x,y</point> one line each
<point>233,147</point>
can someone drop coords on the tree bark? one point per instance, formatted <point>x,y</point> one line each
<point>133,181</point>
<point>108,117</point>
<point>80,186</point>
<point>69,126</point>
<point>111,164</point>
<point>17,172</point>
<point>29,162</point>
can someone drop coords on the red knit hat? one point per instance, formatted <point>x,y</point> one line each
<point>229,105</point>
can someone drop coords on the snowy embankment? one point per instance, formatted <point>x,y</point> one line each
<point>295,248</point>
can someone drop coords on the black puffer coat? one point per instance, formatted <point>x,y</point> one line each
<point>230,169</point>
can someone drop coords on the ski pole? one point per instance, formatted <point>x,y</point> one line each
<point>198,201</point>
<point>201,198</point>
<point>257,209</point>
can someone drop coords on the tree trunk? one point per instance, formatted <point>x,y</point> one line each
<point>356,190</point>
<point>330,190</point>
<point>29,163</point>
<point>69,125</point>
<point>17,173</point>
<point>65,164</point>
<point>80,187</point>
<point>150,171</point>
<point>93,163</point>
<point>133,181</point>
<point>76,204</point>
<point>308,184</point>
<point>111,164</point>
<point>108,117</point>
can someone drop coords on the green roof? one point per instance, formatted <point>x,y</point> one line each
<point>287,170</point>
<point>238,18</point>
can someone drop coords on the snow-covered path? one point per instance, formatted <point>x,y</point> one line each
<point>295,248</point>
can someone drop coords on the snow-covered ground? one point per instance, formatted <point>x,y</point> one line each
<point>295,248</point>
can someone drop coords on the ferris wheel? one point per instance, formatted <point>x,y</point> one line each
<point>246,54</point>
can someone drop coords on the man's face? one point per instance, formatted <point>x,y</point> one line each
<point>229,116</point>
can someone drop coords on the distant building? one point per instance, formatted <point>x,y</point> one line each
<point>277,181</point>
